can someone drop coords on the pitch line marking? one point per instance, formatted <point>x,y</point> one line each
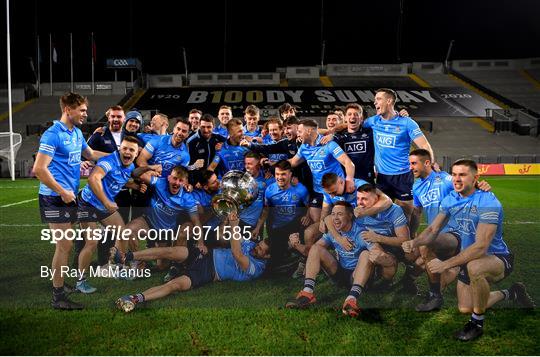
<point>15,187</point>
<point>18,203</point>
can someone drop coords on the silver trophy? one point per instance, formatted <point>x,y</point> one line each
<point>238,191</point>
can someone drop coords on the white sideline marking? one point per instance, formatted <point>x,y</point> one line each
<point>12,187</point>
<point>18,203</point>
<point>22,225</point>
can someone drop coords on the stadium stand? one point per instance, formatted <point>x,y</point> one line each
<point>453,135</point>
<point>505,77</point>
<point>33,119</point>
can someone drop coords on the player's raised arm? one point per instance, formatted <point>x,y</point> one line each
<point>296,160</point>
<point>422,143</point>
<point>94,155</point>
<point>236,245</point>
<point>144,156</point>
<point>383,203</point>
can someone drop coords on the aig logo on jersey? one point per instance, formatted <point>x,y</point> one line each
<point>355,147</point>
<point>430,197</point>
<point>316,165</point>
<point>388,141</point>
<point>74,158</point>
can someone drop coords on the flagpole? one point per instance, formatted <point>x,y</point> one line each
<point>11,148</point>
<point>50,62</point>
<point>38,55</point>
<point>93,59</point>
<point>71,57</point>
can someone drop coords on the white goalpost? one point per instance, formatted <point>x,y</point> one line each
<point>12,136</point>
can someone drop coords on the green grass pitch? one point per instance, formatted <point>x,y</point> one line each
<point>249,318</point>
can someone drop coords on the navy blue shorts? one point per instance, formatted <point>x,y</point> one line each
<point>343,277</point>
<point>315,199</point>
<point>54,210</point>
<point>200,268</point>
<point>396,186</point>
<point>507,259</point>
<point>86,212</point>
<point>397,252</point>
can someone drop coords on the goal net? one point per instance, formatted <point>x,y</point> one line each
<point>5,147</point>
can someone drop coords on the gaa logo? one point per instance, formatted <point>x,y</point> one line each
<point>120,62</point>
<point>355,147</point>
<point>388,141</point>
<point>316,165</point>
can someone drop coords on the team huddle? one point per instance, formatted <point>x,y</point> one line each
<point>345,200</point>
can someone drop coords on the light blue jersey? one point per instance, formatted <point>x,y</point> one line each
<point>284,204</point>
<point>65,147</point>
<point>348,258</point>
<point>251,214</point>
<point>227,268</point>
<point>429,192</point>
<point>321,159</point>
<point>231,157</point>
<point>393,140</point>
<point>347,197</point>
<point>166,155</point>
<point>252,134</point>
<point>467,212</point>
<point>165,207</point>
<point>221,130</point>
<point>146,137</point>
<point>116,176</point>
<point>385,222</point>
<point>203,198</point>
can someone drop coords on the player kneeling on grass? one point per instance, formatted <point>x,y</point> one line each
<point>349,247</point>
<point>245,260</point>
<point>484,257</point>
<point>96,200</point>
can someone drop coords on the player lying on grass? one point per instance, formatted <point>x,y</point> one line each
<point>484,257</point>
<point>245,260</point>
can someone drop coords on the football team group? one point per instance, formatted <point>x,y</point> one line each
<point>346,201</point>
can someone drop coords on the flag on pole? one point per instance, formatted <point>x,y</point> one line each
<point>54,55</point>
